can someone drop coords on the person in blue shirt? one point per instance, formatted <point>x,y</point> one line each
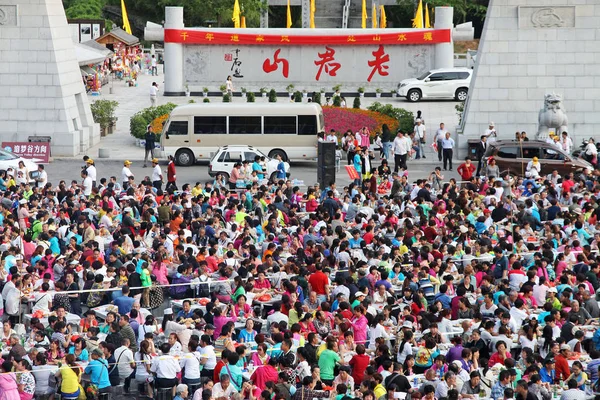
<point>124,302</point>
<point>54,244</point>
<point>443,297</point>
<point>186,311</point>
<point>97,369</point>
<point>280,168</point>
<point>548,373</point>
<point>355,240</point>
<point>233,370</point>
<point>258,168</point>
<point>357,162</point>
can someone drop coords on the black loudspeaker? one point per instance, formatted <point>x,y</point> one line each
<point>326,164</point>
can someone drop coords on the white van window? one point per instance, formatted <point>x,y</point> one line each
<point>210,125</point>
<point>177,128</point>
<point>280,125</point>
<point>307,125</point>
<point>247,125</point>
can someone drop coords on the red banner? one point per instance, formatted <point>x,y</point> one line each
<point>189,36</point>
<point>40,151</point>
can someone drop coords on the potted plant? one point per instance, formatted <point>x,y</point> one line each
<point>336,88</point>
<point>205,92</point>
<point>356,103</point>
<point>206,100</point>
<point>394,93</point>
<point>290,88</point>
<point>323,90</point>
<point>272,96</point>
<point>250,97</point>
<point>243,91</point>
<point>226,98</point>
<point>317,97</point>
<point>187,90</point>
<point>297,96</point>
<point>263,92</point>
<point>223,89</point>
<point>103,112</point>
<point>378,92</point>
<point>361,91</point>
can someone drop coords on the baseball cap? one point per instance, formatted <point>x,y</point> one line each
<point>565,346</point>
<point>127,162</point>
<point>155,160</point>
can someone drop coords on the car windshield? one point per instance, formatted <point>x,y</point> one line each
<point>425,75</point>
<point>7,155</point>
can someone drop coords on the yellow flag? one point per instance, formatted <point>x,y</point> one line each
<point>126,25</point>
<point>427,23</point>
<point>313,10</point>
<point>382,18</point>
<point>373,16</point>
<point>243,23</point>
<point>236,14</point>
<point>364,14</point>
<point>418,21</point>
<point>289,16</point>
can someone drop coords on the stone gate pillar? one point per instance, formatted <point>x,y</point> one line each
<point>174,54</point>
<point>444,52</point>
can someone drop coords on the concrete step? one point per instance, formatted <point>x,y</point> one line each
<point>329,14</point>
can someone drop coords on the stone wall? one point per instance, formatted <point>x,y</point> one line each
<point>40,80</point>
<point>530,48</point>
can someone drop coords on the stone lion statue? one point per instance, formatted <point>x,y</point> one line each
<point>553,115</point>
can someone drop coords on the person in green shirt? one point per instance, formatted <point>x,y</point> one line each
<point>239,289</point>
<point>328,359</point>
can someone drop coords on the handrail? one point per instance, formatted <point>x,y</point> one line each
<point>346,14</point>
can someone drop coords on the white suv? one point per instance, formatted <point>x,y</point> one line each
<point>450,83</point>
<point>224,159</point>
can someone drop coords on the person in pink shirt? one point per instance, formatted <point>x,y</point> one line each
<point>159,269</point>
<point>262,282</point>
<point>359,325</point>
<point>220,320</point>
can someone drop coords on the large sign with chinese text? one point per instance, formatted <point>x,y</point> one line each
<point>308,59</point>
<point>39,151</point>
<point>206,37</point>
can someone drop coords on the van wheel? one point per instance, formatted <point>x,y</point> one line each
<point>274,153</point>
<point>414,95</point>
<point>461,94</point>
<point>185,158</point>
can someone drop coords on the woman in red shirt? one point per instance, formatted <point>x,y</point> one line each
<point>500,355</point>
<point>359,363</point>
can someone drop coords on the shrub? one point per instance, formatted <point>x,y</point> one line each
<point>337,101</point>
<point>206,100</point>
<point>191,101</point>
<point>298,96</point>
<point>317,97</point>
<point>250,97</point>
<point>272,96</point>
<point>356,103</point>
<point>140,120</point>
<point>223,88</point>
<point>226,98</point>
<point>405,118</point>
<point>103,112</point>
<point>341,119</point>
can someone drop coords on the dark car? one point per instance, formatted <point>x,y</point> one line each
<point>512,157</point>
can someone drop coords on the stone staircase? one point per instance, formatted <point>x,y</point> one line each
<point>329,14</point>
<point>355,14</point>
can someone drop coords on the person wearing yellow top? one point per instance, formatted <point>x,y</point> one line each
<point>379,390</point>
<point>70,375</point>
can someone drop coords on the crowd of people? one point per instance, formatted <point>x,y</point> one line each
<point>380,289</point>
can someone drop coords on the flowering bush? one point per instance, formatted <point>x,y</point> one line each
<point>140,120</point>
<point>158,123</point>
<point>342,119</point>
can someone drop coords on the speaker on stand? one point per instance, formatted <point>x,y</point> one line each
<point>326,164</point>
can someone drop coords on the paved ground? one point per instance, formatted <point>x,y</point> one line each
<point>132,99</point>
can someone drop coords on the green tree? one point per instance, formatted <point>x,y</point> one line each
<point>464,11</point>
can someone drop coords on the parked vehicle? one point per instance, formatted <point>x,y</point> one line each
<point>512,157</point>
<point>225,158</point>
<point>195,131</point>
<point>449,83</point>
<point>8,159</point>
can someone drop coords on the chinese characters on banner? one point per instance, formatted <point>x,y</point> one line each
<point>269,66</point>
<point>37,150</point>
<point>326,62</point>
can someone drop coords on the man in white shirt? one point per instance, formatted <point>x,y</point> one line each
<point>153,94</point>
<point>42,178</point>
<point>157,177</point>
<point>125,174</point>
<point>125,363</point>
<point>86,184</point>
<point>224,388</point>
<point>439,136</point>
<point>567,143</point>
<point>420,135</point>
<point>331,137</point>
<point>400,147</point>
<point>277,317</point>
<point>447,150</point>
<point>154,65</point>
<point>91,170</point>
<point>166,368</point>
<point>208,358</point>
<point>490,133</point>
